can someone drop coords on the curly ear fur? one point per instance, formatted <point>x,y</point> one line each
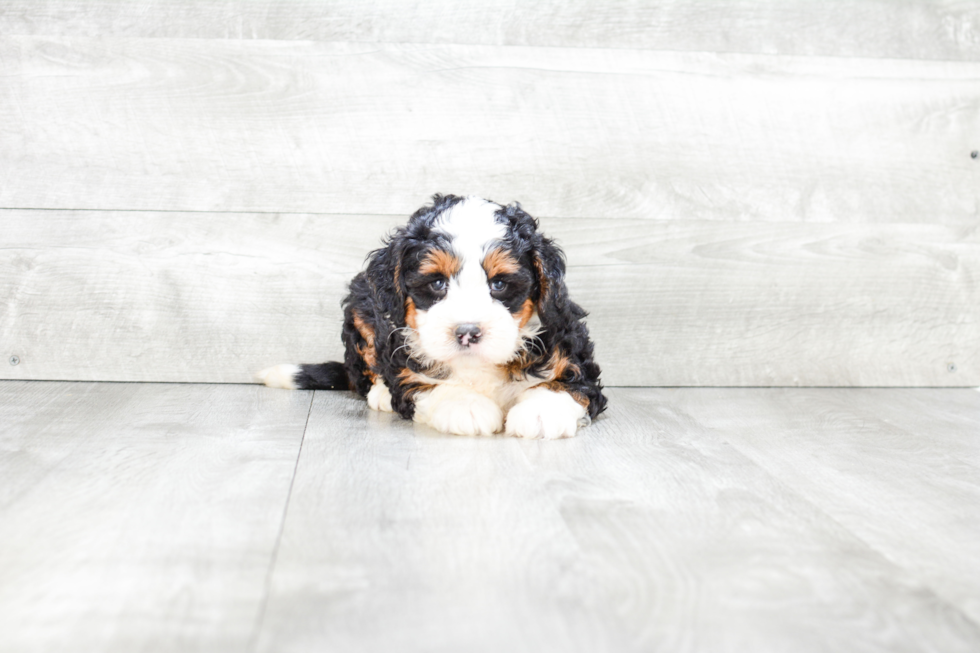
<point>564,335</point>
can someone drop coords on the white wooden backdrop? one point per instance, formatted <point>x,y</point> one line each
<point>750,193</point>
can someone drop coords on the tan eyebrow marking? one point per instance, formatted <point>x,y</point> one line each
<point>500,261</point>
<point>439,261</point>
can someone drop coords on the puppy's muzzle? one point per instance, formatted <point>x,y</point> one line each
<point>468,334</point>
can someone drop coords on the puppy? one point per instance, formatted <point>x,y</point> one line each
<point>462,321</point>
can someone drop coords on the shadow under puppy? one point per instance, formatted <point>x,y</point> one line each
<point>463,322</point>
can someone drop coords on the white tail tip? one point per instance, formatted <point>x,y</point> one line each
<point>279,376</point>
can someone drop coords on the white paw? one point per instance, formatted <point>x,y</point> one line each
<point>279,376</point>
<point>378,397</point>
<point>459,411</point>
<point>543,413</point>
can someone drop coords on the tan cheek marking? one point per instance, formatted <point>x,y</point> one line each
<point>500,261</point>
<point>410,313</point>
<point>524,316</point>
<point>439,261</point>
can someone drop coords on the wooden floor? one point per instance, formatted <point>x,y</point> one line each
<point>165,517</point>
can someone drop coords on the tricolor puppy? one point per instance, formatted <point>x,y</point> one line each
<point>463,322</point>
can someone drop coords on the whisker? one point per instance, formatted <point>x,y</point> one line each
<point>400,347</point>
<point>394,331</point>
<point>534,346</point>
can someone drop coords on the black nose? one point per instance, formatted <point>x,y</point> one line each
<point>468,334</point>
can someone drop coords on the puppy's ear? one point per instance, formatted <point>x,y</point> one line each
<point>555,310</point>
<point>385,272</point>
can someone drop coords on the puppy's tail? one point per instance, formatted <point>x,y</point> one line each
<point>325,376</point>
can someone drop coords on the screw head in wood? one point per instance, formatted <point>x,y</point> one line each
<point>951,367</point>
<point>14,360</point>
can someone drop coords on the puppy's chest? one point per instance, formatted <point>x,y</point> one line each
<point>489,380</point>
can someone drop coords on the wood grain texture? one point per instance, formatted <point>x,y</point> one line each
<point>184,124</point>
<point>140,517</point>
<point>793,305</point>
<point>939,29</point>
<point>174,297</point>
<point>897,468</point>
<point>648,531</point>
<point>213,298</point>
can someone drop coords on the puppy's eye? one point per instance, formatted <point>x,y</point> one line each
<point>439,285</point>
<point>497,285</point>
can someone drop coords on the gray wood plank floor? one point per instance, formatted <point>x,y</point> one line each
<point>140,517</point>
<point>166,517</point>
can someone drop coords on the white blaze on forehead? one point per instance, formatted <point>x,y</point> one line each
<point>473,228</point>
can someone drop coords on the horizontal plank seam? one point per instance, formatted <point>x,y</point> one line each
<point>206,212</point>
<point>404,215</point>
<point>539,216</point>
<point>748,53</point>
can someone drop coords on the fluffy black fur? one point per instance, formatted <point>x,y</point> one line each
<point>376,306</point>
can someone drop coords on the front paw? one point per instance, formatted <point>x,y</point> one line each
<point>459,411</point>
<point>378,397</point>
<point>543,413</point>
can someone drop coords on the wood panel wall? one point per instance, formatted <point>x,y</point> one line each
<point>749,193</point>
